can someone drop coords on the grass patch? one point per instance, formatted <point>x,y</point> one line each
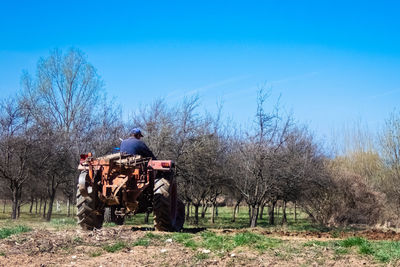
<point>386,251</point>
<point>6,232</point>
<point>341,251</point>
<point>144,242</point>
<point>2,253</point>
<point>352,241</point>
<point>383,251</point>
<point>186,240</point>
<point>147,240</point>
<point>215,242</point>
<point>225,243</point>
<point>151,235</point>
<point>63,221</point>
<point>115,247</point>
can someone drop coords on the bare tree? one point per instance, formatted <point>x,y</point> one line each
<point>16,149</point>
<point>62,99</point>
<point>253,176</point>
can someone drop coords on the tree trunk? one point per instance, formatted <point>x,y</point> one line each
<point>146,217</point>
<point>44,208</point>
<point>15,203</point>
<point>235,211</point>
<point>271,213</point>
<point>31,207</point>
<point>295,211</point>
<point>213,212</point>
<point>40,205</point>
<point>262,211</point>
<point>254,209</point>
<point>277,211</point>
<point>36,203</point>
<point>51,202</point>
<point>187,211</point>
<point>68,207</point>
<point>204,210</point>
<point>196,214</point>
<point>234,214</point>
<point>4,205</point>
<point>284,218</point>
<point>19,210</point>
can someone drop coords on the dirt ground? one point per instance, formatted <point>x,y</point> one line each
<point>75,247</point>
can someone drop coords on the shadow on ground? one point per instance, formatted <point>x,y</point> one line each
<point>184,230</point>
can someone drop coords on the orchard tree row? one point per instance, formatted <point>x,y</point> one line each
<point>62,111</point>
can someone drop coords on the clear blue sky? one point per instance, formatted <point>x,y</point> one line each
<point>332,62</point>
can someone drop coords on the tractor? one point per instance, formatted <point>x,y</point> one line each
<point>117,185</point>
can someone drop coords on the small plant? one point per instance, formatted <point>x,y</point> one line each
<point>6,232</point>
<point>115,247</point>
<point>2,253</point>
<point>201,256</point>
<point>77,239</point>
<point>316,243</point>
<point>95,253</point>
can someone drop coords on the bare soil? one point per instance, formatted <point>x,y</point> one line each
<point>75,247</point>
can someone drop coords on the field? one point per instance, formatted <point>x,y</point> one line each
<point>32,241</point>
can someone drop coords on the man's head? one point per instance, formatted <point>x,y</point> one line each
<point>136,133</point>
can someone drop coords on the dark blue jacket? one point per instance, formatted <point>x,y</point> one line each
<point>135,146</point>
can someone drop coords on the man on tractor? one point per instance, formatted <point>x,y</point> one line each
<point>134,146</point>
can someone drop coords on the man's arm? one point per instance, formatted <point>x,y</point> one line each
<point>147,152</point>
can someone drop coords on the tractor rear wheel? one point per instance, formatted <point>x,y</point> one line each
<point>167,209</point>
<point>90,211</point>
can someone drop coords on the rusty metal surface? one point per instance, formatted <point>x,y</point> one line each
<point>123,178</point>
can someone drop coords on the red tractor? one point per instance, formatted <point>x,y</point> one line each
<point>117,185</point>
